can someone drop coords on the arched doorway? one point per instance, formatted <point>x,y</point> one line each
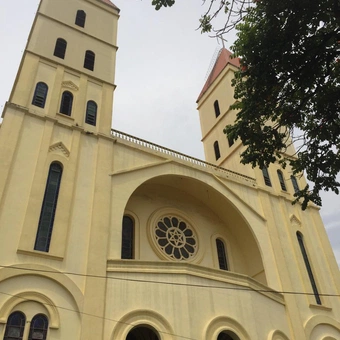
<point>142,333</point>
<point>227,335</point>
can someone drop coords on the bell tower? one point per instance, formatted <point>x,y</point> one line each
<point>68,68</point>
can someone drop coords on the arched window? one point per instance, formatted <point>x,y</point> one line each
<point>91,113</point>
<point>217,108</point>
<point>80,18</point>
<point>89,60</point>
<point>281,180</point>
<point>60,48</point>
<point>66,103</point>
<point>227,335</point>
<point>38,328</point>
<point>266,176</point>
<point>127,238</point>
<point>40,95</point>
<point>217,150</point>
<point>15,326</point>
<point>295,183</point>
<point>142,332</point>
<point>308,268</point>
<point>48,209</point>
<point>221,254</point>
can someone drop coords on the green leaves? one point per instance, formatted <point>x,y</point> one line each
<point>162,3</point>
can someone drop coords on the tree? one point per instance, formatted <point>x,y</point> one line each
<point>289,85</point>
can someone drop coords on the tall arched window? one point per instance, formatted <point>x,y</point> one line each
<point>60,48</point>
<point>66,103</point>
<point>295,183</point>
<point>89,60</point>
<point>80,18</point>
<point>142,332</point>
<point>48,209</point>
<point>91,113</point>
<point>38,328</point>
<point>227,335</point>
<point>217,150</point>
<point>221,254</point>
<point>266,177</point>
<point>281,180</point>
<point>308,268</point>
<point>40,95</point>
<point>15,326</point>
<point>217,108</point>
<point>128,238</point>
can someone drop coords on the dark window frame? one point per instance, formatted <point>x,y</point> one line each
<point>227,335</point>
<point>80,18</point>
<point>308,267</point>
<point>217,150</point>
<point>281,180</point>
<point>48,208</point>
<point>266,176</point>
<point>128,238</point>
<point>66,103</point>
<point>40,94</point>
<point>295,183</point>
<point>10,326</point>
<point>222,254</point>
<point>89,60</point>
<point>91,113</point>
<point>60,48</point>
<point>34,328</point>
<point>217,108</point>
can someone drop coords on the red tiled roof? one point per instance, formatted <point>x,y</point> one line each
<point>110,3</point>
<point>223,59</point>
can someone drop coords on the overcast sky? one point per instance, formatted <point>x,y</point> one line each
<point>162,64</point>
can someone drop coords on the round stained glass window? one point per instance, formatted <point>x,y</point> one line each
<point>175,238</point>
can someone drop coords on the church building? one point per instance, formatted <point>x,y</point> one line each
<point>107,236</point>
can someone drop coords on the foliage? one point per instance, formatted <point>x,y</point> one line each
<point>288,84</point>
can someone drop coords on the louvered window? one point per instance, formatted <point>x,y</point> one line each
<point>60,48</point>
<point>217,150</point>
<point>308,268</point>
<point>91,113</point>
<point>281,180</point>
<point>89,60</point>
<point>221,254</point>
<point>66,103</point>
<point>127,238</point>
<point>266,177</point>
<point>40,94</point>
<point>48,209</point>
<point>295,183</point>
<point>80,18</point>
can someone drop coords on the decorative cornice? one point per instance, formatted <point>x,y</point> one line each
<point>59,146</point>
<point>69,84</point>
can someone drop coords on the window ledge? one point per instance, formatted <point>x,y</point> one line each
<point>322,307</point>
<point>40,254</point>
<point>64,116</point>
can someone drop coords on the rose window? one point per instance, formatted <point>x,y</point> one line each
<point>175,238</point>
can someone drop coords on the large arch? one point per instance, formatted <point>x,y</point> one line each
<point>176,191</point>
<point>321,327</point>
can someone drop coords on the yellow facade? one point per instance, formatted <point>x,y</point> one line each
<point>174,284</point>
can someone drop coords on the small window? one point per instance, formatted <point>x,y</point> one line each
<point>89,60</point>
<point>91,113</point>
<point>66,103</point>
<point>40,94</point>
<point>38,328</point>
<point>217,150</point>
<point>48,208</point>
<point>60,48</point>
<point>127,238</point>
<point>230,141</point>
<point>308,268</point>
<point>221,254</point>
<point>281,180</point>
<point>295,183</point>
<point>266,177</point>
<point>80,18</point>
<point>217,108</point>
<point>15,326</point>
